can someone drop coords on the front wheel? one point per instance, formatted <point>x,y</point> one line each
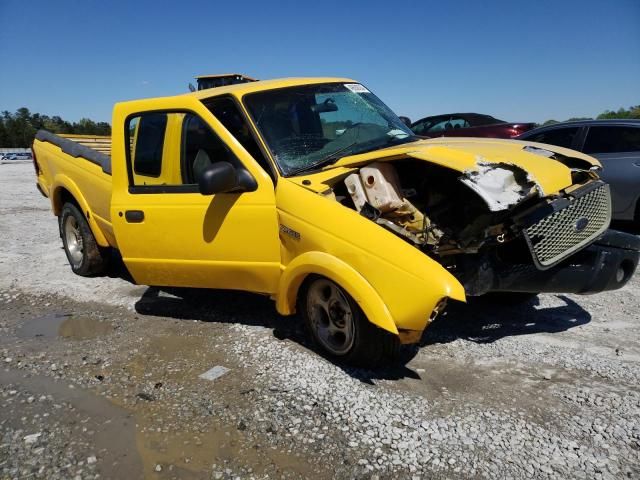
<point>85,256</point>
<point>339,327</point>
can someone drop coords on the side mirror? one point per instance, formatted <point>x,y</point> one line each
<point>220,177</point>
<point>223,177</point>
<point>406,121</point>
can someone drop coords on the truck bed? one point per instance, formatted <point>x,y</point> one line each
<point>95,149</point>
<point>98,143</point>
<point>78,166</point>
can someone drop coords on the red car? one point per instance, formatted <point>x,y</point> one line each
<point>468,125</point>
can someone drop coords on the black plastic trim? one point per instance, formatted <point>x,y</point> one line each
<point>134,216</point>
<point>607,264</point>
<point>76,150</point>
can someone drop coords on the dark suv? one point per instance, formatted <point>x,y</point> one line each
<point>616,143</point>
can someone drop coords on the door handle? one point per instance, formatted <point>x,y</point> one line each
<point>637,164</point>
<point>134,216</point>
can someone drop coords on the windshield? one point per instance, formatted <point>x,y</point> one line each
<point>310,126</point>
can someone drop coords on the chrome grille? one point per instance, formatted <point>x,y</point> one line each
<point>567,230</point>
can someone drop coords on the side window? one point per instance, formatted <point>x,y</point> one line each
<point>437,125</point>
<point>171,150</point>
<point>227,112</point>
<point>422,128</point>
<point>562,137</point>
<point>447,123</point>
<point>201,148</point>
<point>612,140</point>
<point>458,122</point>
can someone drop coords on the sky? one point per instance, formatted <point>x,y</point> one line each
<point>518,61</point>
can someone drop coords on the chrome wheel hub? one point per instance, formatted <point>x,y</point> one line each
<point>331,316</point>
<point>73,240</point>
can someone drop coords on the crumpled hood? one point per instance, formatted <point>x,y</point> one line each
<point>468,155</point>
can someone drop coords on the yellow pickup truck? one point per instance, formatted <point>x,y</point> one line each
<point>313,192</point>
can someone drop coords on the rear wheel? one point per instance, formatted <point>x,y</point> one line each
<point>85,256</point>
<point>338,326</point>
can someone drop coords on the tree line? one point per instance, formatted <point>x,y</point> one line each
<point>18,129</point>
<point>622,113</point>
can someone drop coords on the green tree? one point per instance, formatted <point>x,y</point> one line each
<point>85,127</point>
<point>19,129</point>
<point>4,139</point>
<point>622,113</point>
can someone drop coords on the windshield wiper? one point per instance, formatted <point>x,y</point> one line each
<point>328,160</point>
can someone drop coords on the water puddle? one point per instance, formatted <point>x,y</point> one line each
<point>115,427</point>
<point>64,325</point>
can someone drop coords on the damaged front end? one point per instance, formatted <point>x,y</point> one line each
<point>501,185</point>
<point>494,227</point>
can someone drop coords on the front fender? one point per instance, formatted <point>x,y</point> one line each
<point>328,266</point>
<point>396,284</point>
<point>63,182</point>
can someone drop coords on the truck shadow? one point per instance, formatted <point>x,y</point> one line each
<point>482,321</point>
<point>485,321</point>
<point>219,306</point>
<point>229,306</point>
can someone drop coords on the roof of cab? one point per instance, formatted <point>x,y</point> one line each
<point>240,89</point>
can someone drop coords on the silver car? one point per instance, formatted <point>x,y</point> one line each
<point>616,143</point>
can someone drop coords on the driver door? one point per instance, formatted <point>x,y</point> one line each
<point>168,233</point>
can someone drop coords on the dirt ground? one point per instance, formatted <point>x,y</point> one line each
<point>100,378</point>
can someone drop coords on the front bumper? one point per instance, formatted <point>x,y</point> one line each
<point>607,264</point>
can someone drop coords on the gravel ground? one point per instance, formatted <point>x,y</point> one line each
<point>99,378</point>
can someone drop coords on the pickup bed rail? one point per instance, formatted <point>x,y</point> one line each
<point>78,149</point>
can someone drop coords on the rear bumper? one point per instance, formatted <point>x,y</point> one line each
<point>607,264</point>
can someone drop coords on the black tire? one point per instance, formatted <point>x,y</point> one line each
<point>85,256</point>
<point>367,347</point>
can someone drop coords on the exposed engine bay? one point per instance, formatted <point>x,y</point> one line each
<point>493,214</point>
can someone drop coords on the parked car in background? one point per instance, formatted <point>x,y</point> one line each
<point>468,125</point>
<point>16,156</point>
<point>616,143</point>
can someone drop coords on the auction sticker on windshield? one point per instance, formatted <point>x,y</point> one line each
<point>356,88</point>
